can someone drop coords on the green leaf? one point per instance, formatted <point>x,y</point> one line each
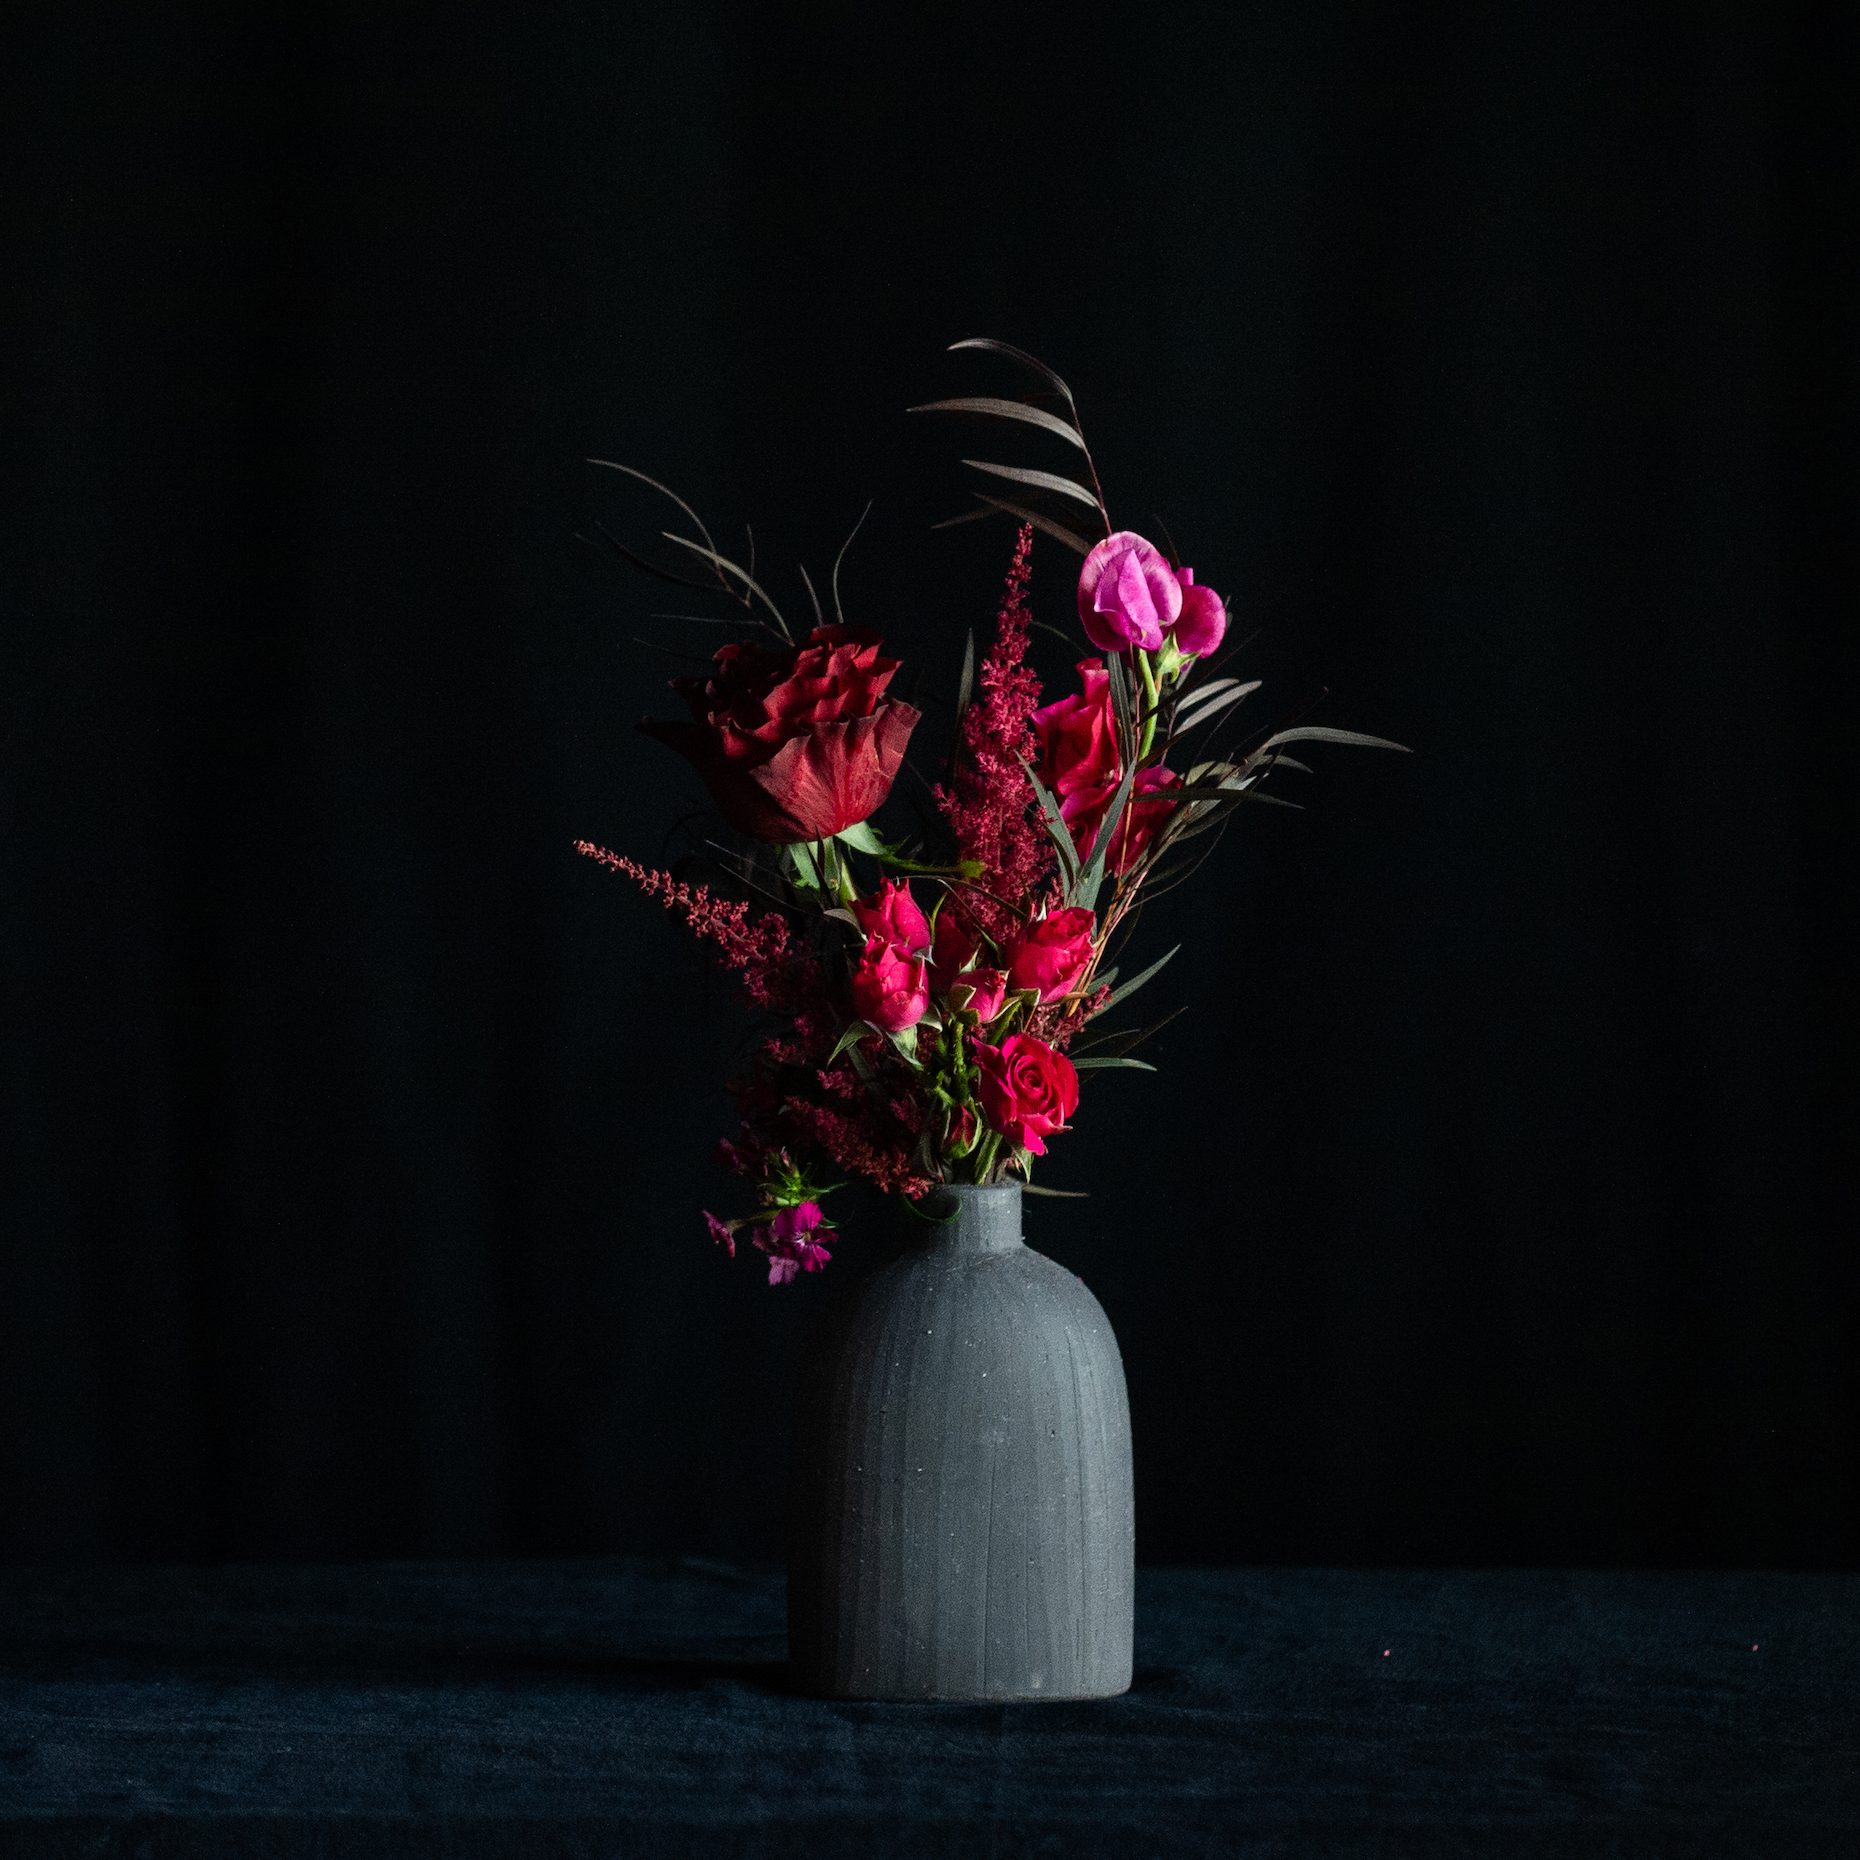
<point>1318,733</point>
<point>1005,410</point>
<point>1040,480</point>
<point>1058,1194</point>
<point>965,690</point>
<point>1056,827</point>
<point>1085,890</point>
<point>1123,706</point>
<point>863,837</point>
<point>1135,982</point>
<point>1104,1065</point>
<point>850,1036</point>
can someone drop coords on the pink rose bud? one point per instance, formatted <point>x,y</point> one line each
<point>1128,594</point>
<point>962,1129</point>
<point>889,990</point>
<point>1203,623</point>
<point>893,915</point>
<point>1052,955</point>
<point>982,991</point>
<point>1027,1090</point>
<point>956,946</point>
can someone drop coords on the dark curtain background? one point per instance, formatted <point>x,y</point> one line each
<point>1494,1201</point>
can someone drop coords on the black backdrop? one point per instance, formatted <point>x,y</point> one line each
<point>1498,361</point>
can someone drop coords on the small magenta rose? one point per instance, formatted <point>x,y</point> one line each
<point>1128,594</point>
<point>1027,1090</point>
<point>892,913</point>
<point>889,990</point>
<point>982,992</point>
<point>792,1240</point>
<point>1052,955</point>
<point>1203,621</point>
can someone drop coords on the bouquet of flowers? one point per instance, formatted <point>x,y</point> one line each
<point>929,1008</point>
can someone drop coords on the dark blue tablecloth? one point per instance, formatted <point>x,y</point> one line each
<point>608,1708</point>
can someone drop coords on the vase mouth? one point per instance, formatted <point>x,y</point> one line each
<point>967,1217</point>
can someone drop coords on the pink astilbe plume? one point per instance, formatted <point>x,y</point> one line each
<point>761,950</point>
<point>988,800</point>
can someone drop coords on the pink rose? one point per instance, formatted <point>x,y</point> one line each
<point>982,991</point>
<point>889,990</point>
<point>1052,955</point>
<point>1084,813</point>
<point>893,915</point>
<point>789,1241</point>
<point>1027,1090</point>
<point>1128,594</point>
<point>1078,735</point>
<point>956,947</point>
<point>1203,623</point>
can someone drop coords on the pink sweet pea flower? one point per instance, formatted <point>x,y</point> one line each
<point>893,915</point>
<point>1203,623</point>
<point>722,1232</point>
<point>889,990</point>
<point>1128,594</point>
<point>789,1242</point>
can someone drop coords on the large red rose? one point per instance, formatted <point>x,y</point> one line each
<point>1078,735</point>
<point>794,743</point>
<point>1143,814</point>
<point>1027,1090</point>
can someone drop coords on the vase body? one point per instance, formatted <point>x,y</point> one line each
<point>961,1517</point>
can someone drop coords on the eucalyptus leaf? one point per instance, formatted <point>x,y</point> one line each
<point>1058,1194</point>
<point>1136,982</point>
<point>1005,410</point>
<point>1030,362</point>
<point>742,574</point>
<point>1105,1065</point>
<point>1319,733</point>
<point>847,544</point>
<point>1040,480</point>
<point>1199,713</point>
<point>1057,531</point>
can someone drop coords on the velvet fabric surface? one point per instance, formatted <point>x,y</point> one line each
<point>641,1707</point>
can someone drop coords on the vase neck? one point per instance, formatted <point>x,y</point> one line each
<point>960,1217</point>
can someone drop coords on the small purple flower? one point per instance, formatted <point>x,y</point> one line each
<point>722,1232</point>
<point>1128,594</point>
<point>788,1242</point>
<point>1204,617</point>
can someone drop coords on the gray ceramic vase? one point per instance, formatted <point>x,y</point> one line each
<point>961,1519</point>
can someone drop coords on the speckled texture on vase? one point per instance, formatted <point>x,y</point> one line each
<point>961,1517</point>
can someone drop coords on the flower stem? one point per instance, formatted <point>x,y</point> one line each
<point>1147,672</point>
